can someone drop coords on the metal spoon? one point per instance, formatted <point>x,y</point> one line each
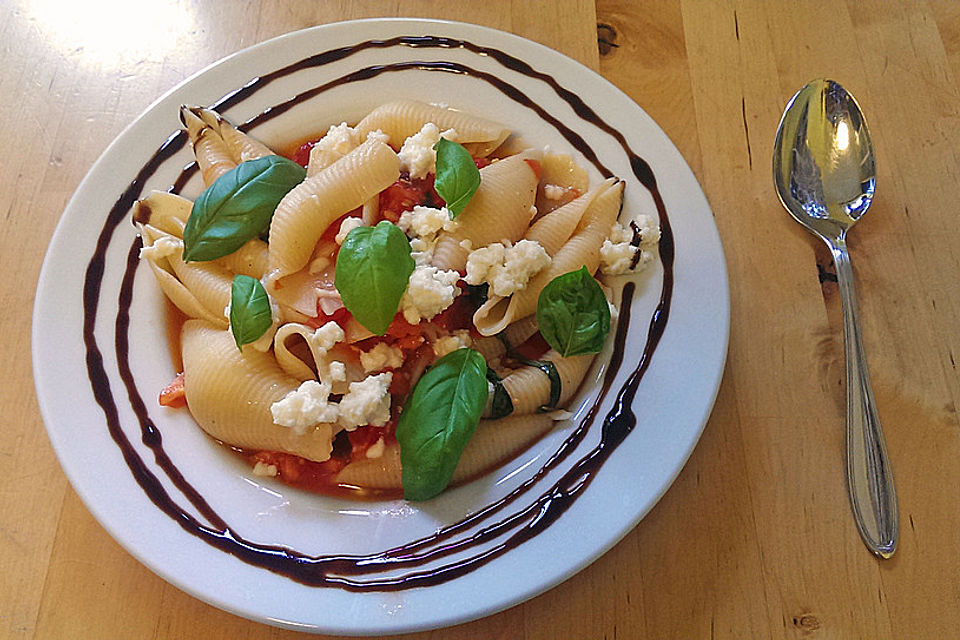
<point>825,174</point>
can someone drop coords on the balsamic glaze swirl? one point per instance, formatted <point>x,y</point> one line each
<point>364,572</point>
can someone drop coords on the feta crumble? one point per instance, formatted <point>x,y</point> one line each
<point>628,248</point>
<point>162,247</point>
<point>265,470</point>
<point>349,224</point>
<point>342,139</point>
<point>430,291</point>
<point>506,268</point>
<point>382,356</point>
<point>417,156</point>
<point>320,342</point>
<point>305,407</point>
<point>459,339</point>
<point>376,449</point>
<point>422,224</point>
<point>553,191</point>
<point>367,402</point>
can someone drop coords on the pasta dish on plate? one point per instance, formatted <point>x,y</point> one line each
<point>398,306</point>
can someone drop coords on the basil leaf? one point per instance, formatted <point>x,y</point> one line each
<point>238,206</point>
<point>457,177</point>
<point>573,314</point>
<point>250,315</point>
<point>502,405</point>
<point>438,420</point>
<point>373,269</point>
<point>556,385</point>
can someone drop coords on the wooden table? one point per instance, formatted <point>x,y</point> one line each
<point>755,538</point>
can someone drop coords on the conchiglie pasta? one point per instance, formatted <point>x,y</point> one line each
<point>307,210</point>
<point>217,374</point>
<point>529,387</point>
<point>493,442</point>
<point>582,249</point>
<point>401,119</point>
<point>500,210</point>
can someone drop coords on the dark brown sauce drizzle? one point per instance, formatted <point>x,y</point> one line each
<point>528,520</point>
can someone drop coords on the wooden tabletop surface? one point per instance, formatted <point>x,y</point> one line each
<point>755,538</point>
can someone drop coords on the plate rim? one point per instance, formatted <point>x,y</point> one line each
<point>400,24</point>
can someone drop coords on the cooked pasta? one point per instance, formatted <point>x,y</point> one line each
<point>278,359</point>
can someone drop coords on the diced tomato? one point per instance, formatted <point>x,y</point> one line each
<point>363,438</point>
<point>481,162</point>
<point>173,395</point>
<point>535,167</point>
<point>302,155</point>
<point>334,227</point>
<point>341,316</point>
<point>294,469</point>
<point>459,315</point>
<point>404,194</point>
<point>533,348</point>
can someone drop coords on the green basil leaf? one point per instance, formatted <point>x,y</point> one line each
<point>238,206</point>
<point>373,269</point>
<point>438,420</point>
<point>556,385</point>
<point>457,177</point>
<point>250,315</point>
<point>573,314</point>
<point>502,404</point>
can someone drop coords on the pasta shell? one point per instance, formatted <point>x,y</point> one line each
<point>499,210</point>
<point>230,392</point>
<point>403,118</point>
<point>309,208</point>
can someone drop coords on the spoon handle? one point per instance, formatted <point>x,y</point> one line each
<point>869,475</point>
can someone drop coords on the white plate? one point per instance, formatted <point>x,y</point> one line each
<point>672,404</point>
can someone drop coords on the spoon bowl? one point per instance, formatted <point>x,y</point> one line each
<point>825,174</point>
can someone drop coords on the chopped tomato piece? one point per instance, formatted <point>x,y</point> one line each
<point>404,194</point>
<point>341,316</point>
<point>533,348</point>
<point>459,315</point>
<point>481,162</point>
<point>293,468</point>
<point>302,155</point>
<point>173,395</point>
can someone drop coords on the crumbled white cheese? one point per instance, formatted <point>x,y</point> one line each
<point>417,155</point>
<point>615,257</point>
<point>305,407</point>
<point>349,224</point>
<point>376,449</point>
<point>422,225</point>
<point>429,291</point>
<point>342,139</point>
<point>265,470</point>
<point>367,402</point>
<point>459,339</point>
<point>382,356</point>
<point>649,229</point>
<point>553,191</point>
<point>424,222</point>
<point>326,336</point>
<point>507,269</point>
<point>620,233</point>
<point>618,253</point>
<point>321,341</point>
<point>162,247</point>
<point>421,250</point>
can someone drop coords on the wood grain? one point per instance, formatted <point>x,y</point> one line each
<point>755,537</point>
